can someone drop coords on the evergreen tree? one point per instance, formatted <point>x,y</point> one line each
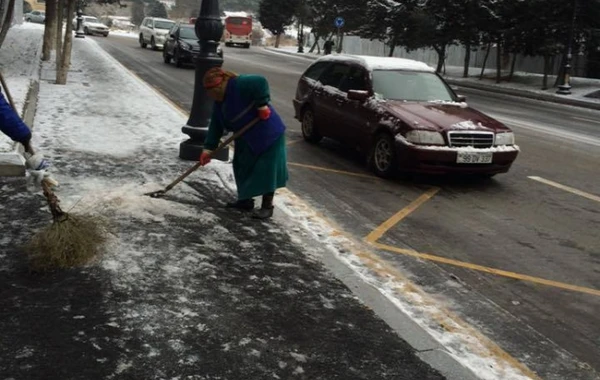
<point>275,15</point>
<point>137,12</point>
<point>157,9</point>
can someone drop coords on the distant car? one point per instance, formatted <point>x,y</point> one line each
<point>182,45</point>
<point>401,115</point>
<point>35,16</point>
<point>154,31</point>
<point>91,25</point>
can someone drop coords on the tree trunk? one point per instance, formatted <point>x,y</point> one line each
<point>498,60</point>
<point>277,39</point>
<point>561,71</point>
<point>60,5</point>
<point>7,22</point>
<point>65,61</point>
<point>49,30</point>
<point>512,67</point>
<point>487,55</point>
<point>546,70</point>
<point>392,48</point>
<point>315,44</point>
<point>467,60</point>
<point>340,43</point>
<point>441,51</point>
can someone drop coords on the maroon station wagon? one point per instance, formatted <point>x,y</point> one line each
<point>401,115</point>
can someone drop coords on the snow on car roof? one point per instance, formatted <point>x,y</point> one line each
<point>381,63</point>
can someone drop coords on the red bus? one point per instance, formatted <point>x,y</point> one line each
<point>238,31</point>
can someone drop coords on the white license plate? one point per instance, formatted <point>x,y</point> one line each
<point>474,157</point>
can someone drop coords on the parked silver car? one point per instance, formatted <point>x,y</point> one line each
<point>91,25</point>
<point>35,16</point>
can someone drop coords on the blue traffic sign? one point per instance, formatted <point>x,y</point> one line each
<point>339,22</point>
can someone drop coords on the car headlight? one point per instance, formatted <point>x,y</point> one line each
<point>506,138</point>
<point>186,46</point>
<point>425,138</point>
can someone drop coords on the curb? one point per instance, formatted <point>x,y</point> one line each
<point>486,88</point>
<point>12,164</point>
<point>523,94</point>
<point>425,347</point>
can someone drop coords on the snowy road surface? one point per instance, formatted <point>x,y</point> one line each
<point>516,256</point>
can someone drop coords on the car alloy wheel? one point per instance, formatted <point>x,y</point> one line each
<point>383,157</point>
<point>309,131</point>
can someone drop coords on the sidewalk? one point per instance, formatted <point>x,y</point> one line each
<point>187,290</point>
<point>524,85</point>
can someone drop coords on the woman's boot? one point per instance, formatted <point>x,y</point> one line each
<point>266,209</point>
<point>243,205</point>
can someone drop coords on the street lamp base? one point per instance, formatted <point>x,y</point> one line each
<point>190,150</point>
<point>564,89</point>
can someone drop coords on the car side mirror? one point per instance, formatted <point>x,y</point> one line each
<point>461,98</point>
<point>359,95</point>
<point>173,35</point>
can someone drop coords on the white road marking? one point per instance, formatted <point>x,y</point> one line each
<point>566,188</point>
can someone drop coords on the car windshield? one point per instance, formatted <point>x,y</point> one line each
<point>163,24</point>
<point>188,33</point>
<point>91,19</point>
<point>410,86</point>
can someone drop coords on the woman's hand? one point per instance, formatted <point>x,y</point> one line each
<point>205,157</point>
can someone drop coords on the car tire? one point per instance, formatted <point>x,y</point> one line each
<point>177,58</point>
<point>86,31</point>
<point>309,130</point>
<point>166,56</point>
<point>143,43</point>
<point>105,34</point>
<point>383,158</point>
<point>153,43</point>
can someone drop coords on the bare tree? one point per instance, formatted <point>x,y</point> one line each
<point>49,30</point>
<point>59,25</point>
<point>7,20</point>
<point>64,62</point>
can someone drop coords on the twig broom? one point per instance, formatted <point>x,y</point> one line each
<point>70,240</point>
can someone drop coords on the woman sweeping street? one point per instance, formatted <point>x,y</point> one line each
<point>259,162</point>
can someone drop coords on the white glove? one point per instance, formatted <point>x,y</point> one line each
<point>37,162</point>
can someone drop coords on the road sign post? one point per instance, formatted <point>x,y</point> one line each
<point>339,23</point>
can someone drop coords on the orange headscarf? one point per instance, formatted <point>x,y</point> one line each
<point>215,80</point>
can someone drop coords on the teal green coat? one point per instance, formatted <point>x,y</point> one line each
<point>255,173</point>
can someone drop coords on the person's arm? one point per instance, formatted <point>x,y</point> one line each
<point>215,130</point>
<point>12,125</point>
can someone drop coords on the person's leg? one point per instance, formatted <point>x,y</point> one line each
<point>266,209</point>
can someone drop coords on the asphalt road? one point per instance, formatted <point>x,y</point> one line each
<point>517,256</point>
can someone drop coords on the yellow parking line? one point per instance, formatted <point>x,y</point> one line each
<point>386,271</point>
<point>391,222</point>
<point>481,268</point>
<point>332,170</point>
<point>567,188</point>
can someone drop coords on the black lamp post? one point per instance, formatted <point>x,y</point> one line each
<point>78,32</point>
<point>209,30</point>
<point>565,87</point>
